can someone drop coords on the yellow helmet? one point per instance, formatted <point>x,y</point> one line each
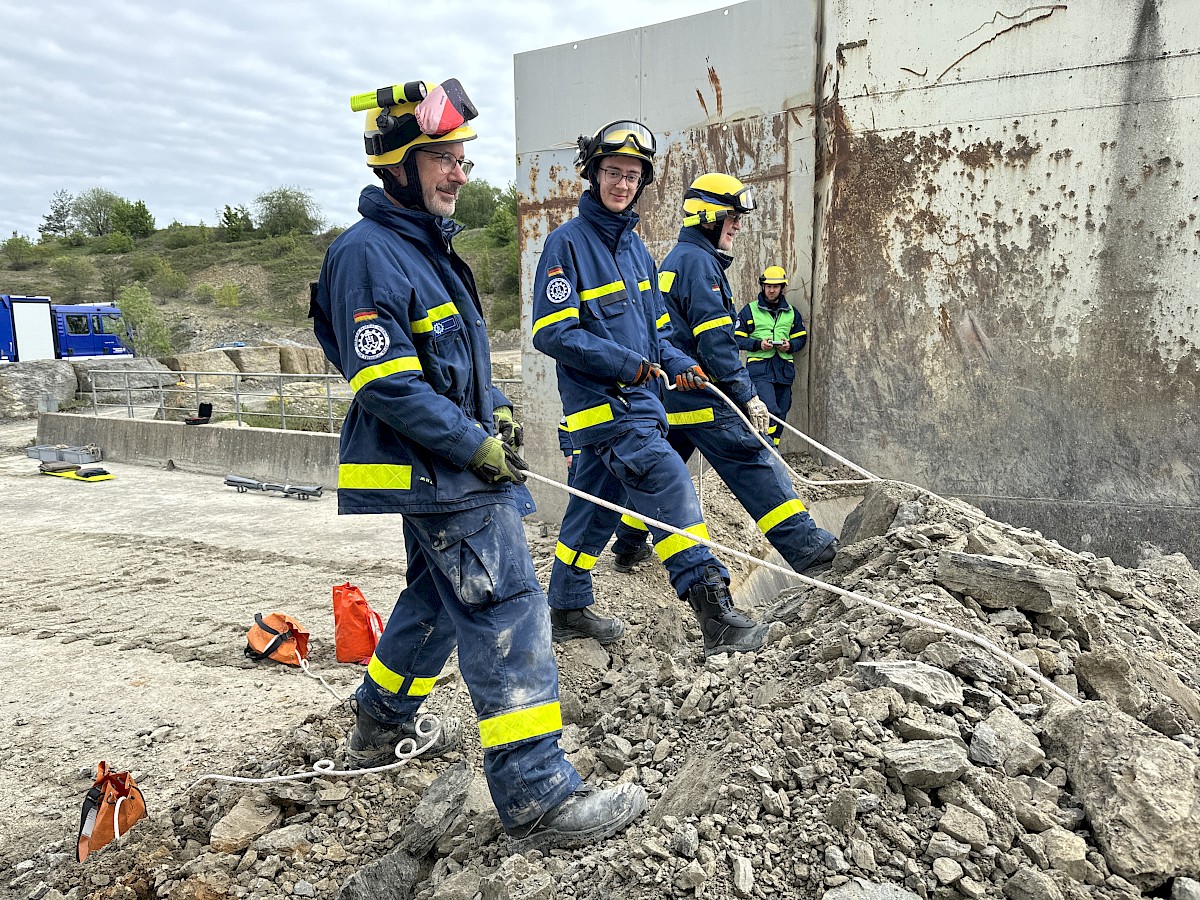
<point>714,196</point>
<point>773,275</point>
<point>415,114</point>
<point>625,137</point>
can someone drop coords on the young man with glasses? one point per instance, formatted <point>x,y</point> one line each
<point>598,312</point>
<point>397,312</point>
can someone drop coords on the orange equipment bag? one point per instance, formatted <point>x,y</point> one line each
<point>278,637</point>
<point>112,806</point>
<point>356,627</point>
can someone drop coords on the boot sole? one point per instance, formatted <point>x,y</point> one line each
<point>565,840</point>
<point>562,635</point>
<point>728,648</point>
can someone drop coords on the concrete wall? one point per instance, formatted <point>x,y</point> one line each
<point>726,91</point>
<point>266,454</point>
<point>1007,256</point>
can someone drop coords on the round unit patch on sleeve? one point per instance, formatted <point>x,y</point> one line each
<point>558,290</point>
<point>371,341</point>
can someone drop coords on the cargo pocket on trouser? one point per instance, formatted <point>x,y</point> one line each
<point>482,552</point>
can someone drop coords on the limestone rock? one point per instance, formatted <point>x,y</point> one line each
<point>998,583</point>
<point>1018,747</point>
<point>41,385</point>
<point>1029,884</point>
<point>389,878</point>
<point>440,804</point>
<point>927,764</point>
<point>861,889</point>
<point>517,879</point>
<point>694,790</point>
<point>926,684</point>
<point>250,819</point>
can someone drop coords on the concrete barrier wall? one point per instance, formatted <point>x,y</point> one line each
<point>267,454</point>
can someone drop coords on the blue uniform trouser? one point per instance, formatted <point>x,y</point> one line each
<point>761,484</point>
<point>636,468</point>
<point>471,581</point>
<point>777,396</point>
<point>630,534</point>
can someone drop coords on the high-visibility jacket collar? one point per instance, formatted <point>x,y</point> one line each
<point>689,235</point>
<point>427,231</point>
<point>613,228</point>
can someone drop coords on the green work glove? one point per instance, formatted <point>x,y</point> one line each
<point>497,463</point>
<point>507,429</point>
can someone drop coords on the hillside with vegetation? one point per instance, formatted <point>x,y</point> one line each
<point>243,278</point>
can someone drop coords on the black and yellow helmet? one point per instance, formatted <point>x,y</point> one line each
<point>713,196</point>
<point>395,125</point>
<point>773,275</point>
<point>626,138</point>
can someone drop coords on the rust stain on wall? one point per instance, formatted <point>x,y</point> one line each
<point>715,83</point>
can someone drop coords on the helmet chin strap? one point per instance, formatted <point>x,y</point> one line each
<point>408,195</point>
<point>713,233</point>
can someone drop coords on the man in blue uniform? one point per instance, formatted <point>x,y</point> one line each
<point>700,303</point>
<point>598,312</point>
<point>772,331</point>
<point>397,312</point>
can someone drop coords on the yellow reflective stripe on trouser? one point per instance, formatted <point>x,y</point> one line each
<point>383,369</point>
<point>634,523</point>
<point>711,324</point>
<point>665,280</point>
<point>508,728</point>
<point>425,325</point>
<point>677,543</point>
<point>374,477</point>
<point>586,418</point>
<point>571,312</point>
<point>603,291</point>
<point>662,321</point>
<point>393,682</point>
<point>783,511</point>
<point>690,417</point>
<point>573,557</point>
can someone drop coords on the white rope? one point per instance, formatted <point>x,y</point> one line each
<point>311,674</point>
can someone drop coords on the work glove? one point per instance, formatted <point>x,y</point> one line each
<point>646,371</point>
<point>757,412</point>
<point>507,429</point>
<point>497,463</point>
<point>691,379</point>
<point>764,344</point>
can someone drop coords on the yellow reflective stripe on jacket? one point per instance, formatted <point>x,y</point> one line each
<point>573,557</point>
<point>634,523</point>
<point>508,728</point>
<point>393,682</point>
<point>691,416</point>
<point>741,334</point>
<point>796,334</point>
<point>711,324</point>
<point>783,511</point>
<point>445,311</point>
<point>383,369</point>
<point>374,477</point>
<point>603,291</point>
<point>677,543</point>
<point>663,321</point>
<point>570,312</point>
<point>665,280</point>
<point>586,418</point>
<point>644,285</point>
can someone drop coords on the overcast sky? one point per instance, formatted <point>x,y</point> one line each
<point>190,108</point>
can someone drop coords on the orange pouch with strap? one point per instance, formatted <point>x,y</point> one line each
<point>279,637</point>
<point>356,627</point>
<point>112,805</point>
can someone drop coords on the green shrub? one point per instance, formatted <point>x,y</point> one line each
<point>76,274</point>
<point>179,236</point>
<point>19,251</point>
<point>227,296</point>
<point>205,292</point>
<point>169,283</point>
<point>144,267</point>
<point>75,239</point>
<point>112,243</point>
<point>147,330</point>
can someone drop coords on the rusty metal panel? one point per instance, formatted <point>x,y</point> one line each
<point>1007,254</point>
<point>728,91</point>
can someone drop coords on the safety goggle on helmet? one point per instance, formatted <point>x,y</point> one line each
<point>714,196</point>
<point>627,138</point>
<point>401,117</point>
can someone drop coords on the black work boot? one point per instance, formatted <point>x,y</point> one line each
<point>823,562</point>
<point>586,817</point>
<point>573,624</point>
<point>373,743</point>
<point>624,562</point>
<point>725,629</point>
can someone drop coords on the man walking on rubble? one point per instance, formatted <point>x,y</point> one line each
<point>397,312</point>
<point>700,304</point>
<point>598,312</point>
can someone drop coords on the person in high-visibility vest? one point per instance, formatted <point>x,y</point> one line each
<point>772,332</point>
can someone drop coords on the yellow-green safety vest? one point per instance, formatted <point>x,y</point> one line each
<point>770,328</point>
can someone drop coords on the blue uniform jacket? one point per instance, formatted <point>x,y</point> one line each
<point>774,368</point>
<point>700,303</point>
<point>598,312</point>
<point>397,312</point>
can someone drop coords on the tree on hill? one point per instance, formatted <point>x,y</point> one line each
<point>287,210</point>
<point>93,210</point>
<point>236,222</point>
<point>148,331</point>
<point>60,221</point>
<point>476,203</point>
<point>19,251</point>
<point>133,219</point>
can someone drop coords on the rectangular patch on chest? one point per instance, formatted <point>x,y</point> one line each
<point>447,326</point>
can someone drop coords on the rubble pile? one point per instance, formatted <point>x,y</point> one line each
<point>861,755</point>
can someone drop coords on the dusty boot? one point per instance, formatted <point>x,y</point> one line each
<point>373,743</point>
<point>573,624</point>
<point>624,562</point>
<point>725,629</point>
<point>585,818</point>
<point>823,563</point>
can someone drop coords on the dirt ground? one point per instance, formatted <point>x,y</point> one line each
<point>125,608</point>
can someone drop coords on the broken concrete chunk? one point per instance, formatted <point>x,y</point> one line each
<point>517,879</point>
<point>861,889</point>
<point>1030,884</point>
<point>439,806</point>
<point>875,514</point>
<point>986,540</point>
<point>250,819</point>
<point>927,764</point>
<point>1019,749</point>
<point>927,685</point>
<point>999,583</point>
<point>964,826</point>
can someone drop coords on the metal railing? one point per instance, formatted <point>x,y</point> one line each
<point>249,398</point>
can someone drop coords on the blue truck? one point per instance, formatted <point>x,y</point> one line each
<point>34,328</point>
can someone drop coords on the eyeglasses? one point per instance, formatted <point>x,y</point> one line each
<point>616,176</point>
<point>447,162</point>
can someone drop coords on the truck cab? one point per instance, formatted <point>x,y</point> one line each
<point>34,328</point>
<point>90,329</point>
